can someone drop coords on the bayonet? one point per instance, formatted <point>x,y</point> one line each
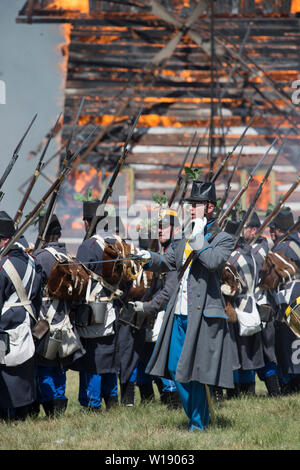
<point>258,192</point>
<point>39,206</point>
<point>221,167</point>
<point>109,189</point>
<point>275,210</point>
<point>180,177</point>
<point>35,176</point>
<point>245,186</point>
<point>15,157</point>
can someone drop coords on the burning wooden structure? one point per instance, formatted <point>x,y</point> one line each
<point>205,66</point>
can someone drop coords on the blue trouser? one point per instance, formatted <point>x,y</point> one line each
<point>94,387</point>
<point>133,376</point>
<point>244,376</point>
<point>192,394</point>
<point>269,369</point>
<point>165,385</point>
<point>51,384</point>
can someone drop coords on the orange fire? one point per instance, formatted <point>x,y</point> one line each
<point>84,179</point>
<point>265,197</point>
<point>80,5</point>
<point>295,6</point>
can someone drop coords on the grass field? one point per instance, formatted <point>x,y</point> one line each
<point>256,423</point>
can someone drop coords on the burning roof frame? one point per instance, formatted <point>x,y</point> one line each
<point>180,28</point>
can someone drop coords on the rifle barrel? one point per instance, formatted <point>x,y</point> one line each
<point>35,176</point>
<point>108,190</point>
<point>179,177</point>
<point>16,153</point>
<point>245,186</point>
<point>275,210</point>
<point>220,169</point>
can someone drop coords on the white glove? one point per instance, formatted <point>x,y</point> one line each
<point>197,237</point>
<point>144,254</point>
<point>137,306</point>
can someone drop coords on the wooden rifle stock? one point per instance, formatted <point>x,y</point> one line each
<point>109,189</point>
<point>54,197</point>
<point>34,177</point>
<point>43,200</point>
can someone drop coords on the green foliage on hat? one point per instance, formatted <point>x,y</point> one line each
<point>160,200</point>
<point>87,197</point>
<point>192,173</point>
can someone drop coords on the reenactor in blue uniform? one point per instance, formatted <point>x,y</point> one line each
<point>154,305</point>
<point>52,365</point>
<point>288,293</point>
<point>247,349</point>
<point>98,368</point>
<point>20,302</point>
<point>268,373</point>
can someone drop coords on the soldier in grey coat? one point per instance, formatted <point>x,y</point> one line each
<point>193,347</point>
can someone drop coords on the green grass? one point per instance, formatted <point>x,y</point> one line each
<point>256,423</point>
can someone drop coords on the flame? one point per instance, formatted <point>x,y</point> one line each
<point>84,179</point>
<point>80,5</point>
<point>265,197</point>
<point>295,6</point>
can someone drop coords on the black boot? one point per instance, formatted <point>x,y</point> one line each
<point>295,384</point>
<point>127,394</point>
<point>248,388</point>
<point>217,393</point>
<point>233,392</point>
<point>171,399</point>
<point>34,409</point>
<point>5,414</point>
<point>21,413</point>
<point>111,402</point>
<point>55,407</point>
<point>272,384</point>
<point>146,392</point>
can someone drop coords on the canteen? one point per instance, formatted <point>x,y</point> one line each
<point>53,345</point>
<point>99,310</point>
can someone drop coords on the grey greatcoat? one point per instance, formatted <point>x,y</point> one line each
<point>206,354</point>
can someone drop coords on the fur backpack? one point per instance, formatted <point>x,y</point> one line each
<point>231,285</point>
<point>68,278</point>
<point>277,269</point>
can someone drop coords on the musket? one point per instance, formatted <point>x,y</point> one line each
<point>109,189</point>
<point>74,125</point>
<point>191,165</point>
<point>294,227</point>
<point>51,206</point>
<point>14,157</point>
<point>180,177</point>
<point>34,177</point>
<point>245,186</point>
<point>224,198</point>
<point>33,214</point>
<point>275,210</point>
<point>258,192</point>
<point>220,169</point>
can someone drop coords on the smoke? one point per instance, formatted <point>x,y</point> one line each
<point>32,80</point>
